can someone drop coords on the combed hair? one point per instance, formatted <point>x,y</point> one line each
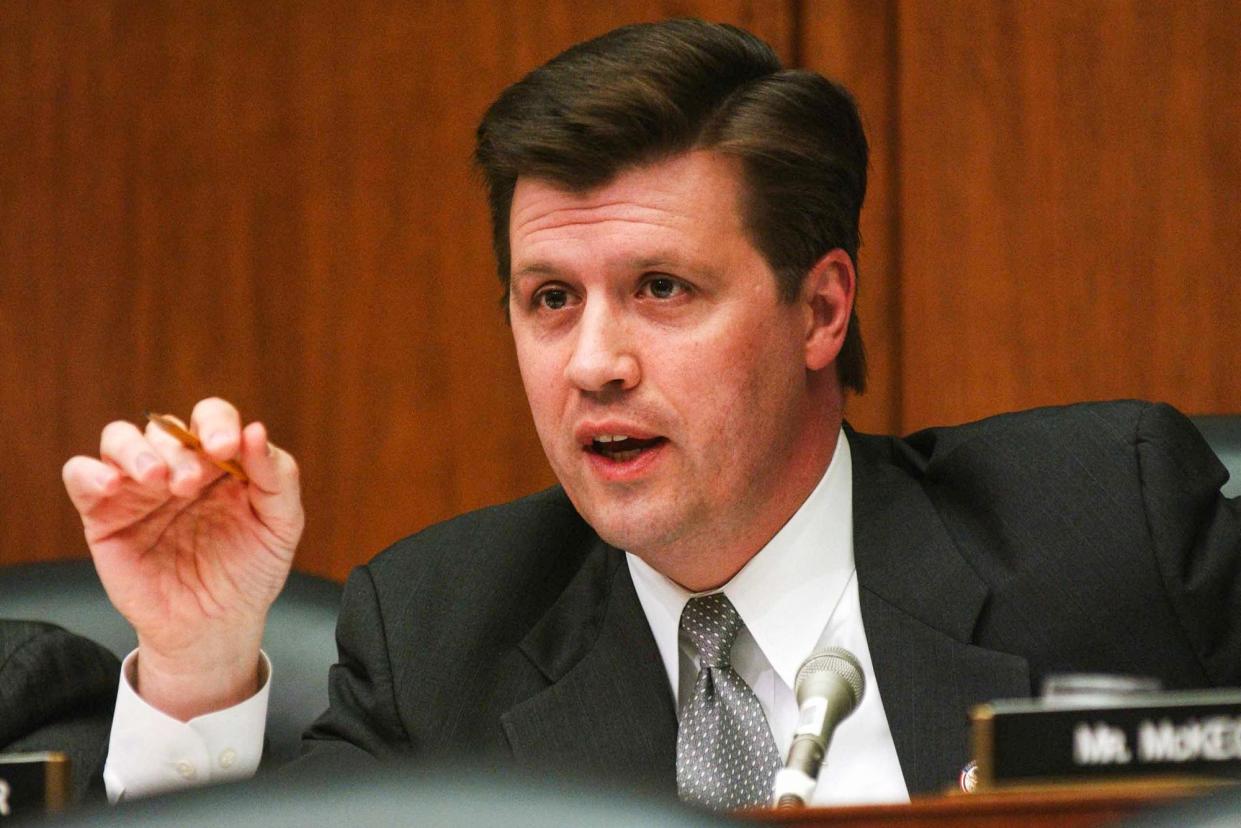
<point>650,91</point>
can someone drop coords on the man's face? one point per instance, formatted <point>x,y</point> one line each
<point>667,380</point>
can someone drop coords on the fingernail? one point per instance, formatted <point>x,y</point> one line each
<point>145,461</point>
<point>103,480</point>
<point>216,440</point>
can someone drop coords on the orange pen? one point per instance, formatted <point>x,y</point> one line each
<point>191,442</point>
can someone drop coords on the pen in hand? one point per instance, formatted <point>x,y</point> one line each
<point>191,442</point>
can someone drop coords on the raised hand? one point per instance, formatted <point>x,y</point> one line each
<point>190,556</point>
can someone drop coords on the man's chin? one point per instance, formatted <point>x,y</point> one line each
<point>631,518</point>
<point>632,531</point>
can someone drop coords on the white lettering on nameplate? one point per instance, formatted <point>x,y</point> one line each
<point>1216,739</point>
<point>1100,744</point>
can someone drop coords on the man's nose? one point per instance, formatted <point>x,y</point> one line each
<point>603,353</point>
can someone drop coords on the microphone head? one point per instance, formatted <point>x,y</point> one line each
<point>832,670</point>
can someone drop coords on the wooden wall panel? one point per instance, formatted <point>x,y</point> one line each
<point>1069,204</point>
<point>271,202</point>
<point>855,43</point>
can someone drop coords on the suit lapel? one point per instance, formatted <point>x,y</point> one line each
<point>608,711</point>
<point>920,603</point>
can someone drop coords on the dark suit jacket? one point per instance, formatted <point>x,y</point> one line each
<point>57,691</point>
<point>1090,538</point>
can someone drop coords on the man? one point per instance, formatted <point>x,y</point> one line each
<point>675,223</point>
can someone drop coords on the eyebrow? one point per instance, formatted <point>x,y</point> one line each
<point>535,269</point>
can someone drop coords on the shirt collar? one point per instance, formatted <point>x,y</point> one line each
<point>787,592</point>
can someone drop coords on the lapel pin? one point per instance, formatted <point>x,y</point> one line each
<point>968,779</point>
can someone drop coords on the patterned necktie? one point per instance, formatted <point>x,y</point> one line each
<point>726,756</point>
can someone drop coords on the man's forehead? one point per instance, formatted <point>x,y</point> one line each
<point>691,185</point>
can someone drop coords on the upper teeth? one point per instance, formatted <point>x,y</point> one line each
<point>611,438</point>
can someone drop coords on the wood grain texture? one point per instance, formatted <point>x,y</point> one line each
<point>855,43</point>
<point>273,203</point>
<point>1069,205</point>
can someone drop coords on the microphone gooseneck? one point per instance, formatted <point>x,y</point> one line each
<point>829,686</point>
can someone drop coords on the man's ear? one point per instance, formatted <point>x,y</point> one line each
<point>827,297</point>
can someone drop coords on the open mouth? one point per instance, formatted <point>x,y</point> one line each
<point>620,447</point>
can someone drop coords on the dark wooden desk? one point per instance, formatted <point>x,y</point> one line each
<point>1062,807</point>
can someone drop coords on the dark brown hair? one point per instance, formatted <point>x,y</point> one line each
<point>650,91</point>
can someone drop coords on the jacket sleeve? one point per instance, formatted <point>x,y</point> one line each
<point>361,719</point>
<point>1196,533</point>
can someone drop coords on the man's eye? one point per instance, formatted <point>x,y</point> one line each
<point>664,287</point>
<point>552,298</point>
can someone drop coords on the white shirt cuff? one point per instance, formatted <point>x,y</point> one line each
<point>150,752</point>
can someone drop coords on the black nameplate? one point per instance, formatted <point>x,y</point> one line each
<point>33,783</point>
<point>1178,734</point>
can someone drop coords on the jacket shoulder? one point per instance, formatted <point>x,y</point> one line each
<point>1065,432</point>
<point>483,538</point>
<point>430,630</point>
<point>1097,530</point>
<point>1116,420</point>
<point>487,575</point>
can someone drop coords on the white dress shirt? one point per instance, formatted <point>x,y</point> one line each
<point>150,752</point>
<point>796,596</point>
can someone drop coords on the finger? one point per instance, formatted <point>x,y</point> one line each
<point>123,445</point>
<point>275,482</point>
<point>190,471</point>
<point>89,481</point>
<point>218,425</point>
<point>169,447</point>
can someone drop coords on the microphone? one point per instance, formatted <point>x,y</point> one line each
<point>829,687</point>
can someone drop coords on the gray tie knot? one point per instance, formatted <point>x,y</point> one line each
<point>712,623</point>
